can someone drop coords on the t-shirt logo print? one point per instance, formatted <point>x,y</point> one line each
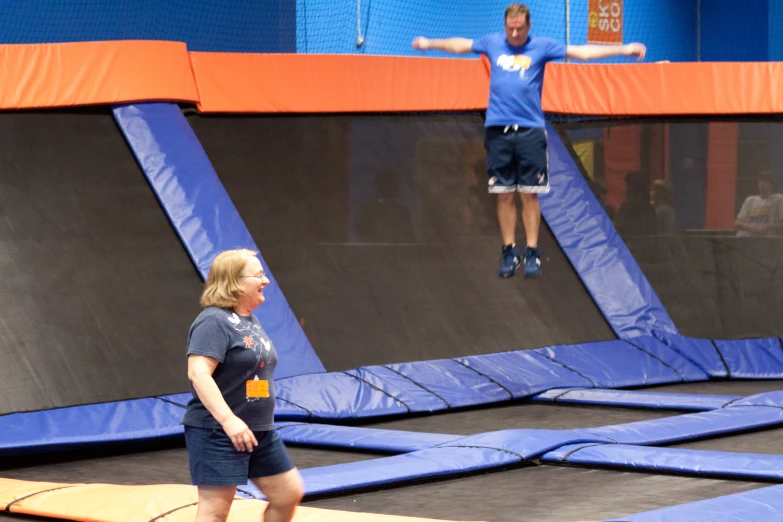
<point>514,63</point>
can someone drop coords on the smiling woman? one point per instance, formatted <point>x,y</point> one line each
<point>229,423</point>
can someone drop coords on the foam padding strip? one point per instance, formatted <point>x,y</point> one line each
<point>749,506</point>
<point>66,428</point>
<point>391,441</point>
<point>598,254</point>
<point>772,399</point>
<point>753,358</point>
<point>688,370</point>
<point>527,443</point>
<point>637,399</point>
<point>701,352</point>
<point>612,364</point>
<point>692,426</point>
<point>204,217</point>
<point>436,462</point>
<point>153,503</point>
<point>414,396</point>
<point>453,382</point>
<point>337,396</point>
<point>524,373</point>
<point>672,460</point>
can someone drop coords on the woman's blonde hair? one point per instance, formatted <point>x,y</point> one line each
<point>224,285</point>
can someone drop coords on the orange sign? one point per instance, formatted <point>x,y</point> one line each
<point>605,22</point>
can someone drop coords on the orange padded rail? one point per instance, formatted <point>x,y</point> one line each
<point>87,73</point>
<point>663,89</point>
<point>245,83</point>
<point>159,503</point>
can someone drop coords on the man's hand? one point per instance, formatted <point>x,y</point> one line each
<point>420,43</point>
<point>635,49</point>
<point>240,435</point>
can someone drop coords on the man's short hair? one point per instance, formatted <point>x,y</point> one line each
<point>515,10</point>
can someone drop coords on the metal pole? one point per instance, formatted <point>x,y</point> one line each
<point>568,23</point>
<point>359,37</point>
<point>698,30</point>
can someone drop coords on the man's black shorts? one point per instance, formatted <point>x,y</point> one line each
<point>517,159</point>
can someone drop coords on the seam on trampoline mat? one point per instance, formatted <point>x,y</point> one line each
<point>419,385</point>
<point>8,507</point>
<point>554,399</point>
<point>169,512</point>
<point>172,402</point>
<point>309,413</point>
<point>682,377</point>
<point>511,395</point>
<point>566,367</point>
<point>604,436</point>
<point>520,457</point>
<point>565,457</point>
<point>379,389</point>
<point>722,359</point>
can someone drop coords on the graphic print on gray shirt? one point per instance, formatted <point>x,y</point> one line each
<point>247,361</point>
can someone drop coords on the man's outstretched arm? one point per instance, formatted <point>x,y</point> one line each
<point>595,52</point>
<point>450,45</point>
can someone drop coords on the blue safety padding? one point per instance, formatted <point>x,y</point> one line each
<point>66,428</point>
<point>773,399</point>
<point>372,439</point>
<point>414,396</point>
<point>336,396</point>
<point>692,426</point>
<point>527,443</point>
<point>524,373</point>
<point>419,465</point>
<point>753,358</point>
<point>453,382</point>
<point>674,460</point>
<point>749,506</point>
<point>596,251</point>
<point>204,217</point>
<point>612,364</point>
<point>688,370</point>
<point>289,411</point>
<point>701,352</point>
<point>637,399</point>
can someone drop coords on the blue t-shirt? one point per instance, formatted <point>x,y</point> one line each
<point>517,78</point>
<point>247,361</point>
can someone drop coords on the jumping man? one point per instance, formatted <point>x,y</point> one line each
<point>515,137</point>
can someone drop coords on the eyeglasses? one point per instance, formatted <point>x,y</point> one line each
<point>262,275</point>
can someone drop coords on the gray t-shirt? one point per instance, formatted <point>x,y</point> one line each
<point>244,376</point>
<point>758,210</point>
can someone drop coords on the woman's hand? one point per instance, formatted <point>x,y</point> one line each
<point>240,435</point>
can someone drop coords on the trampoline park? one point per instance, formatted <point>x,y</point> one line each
<point>640,379</point>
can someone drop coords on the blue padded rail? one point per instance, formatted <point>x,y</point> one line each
<point>372,439</point>
<point>411,394</point>
<point>462,455</point>
<point>68,428</point>
<point>772,399</point>
<point>749,506</point>
<point>613,364</point>
<point>637,399</point>
<point>753,358</point>
<point>203,215</point>
<point>524,373</point>
<point>456,384</point>
<point>692,425</point>
<point>336,396</point>
<point>597,253</point>
<point>397,469</point>
<point>674,460</point>
<point>700,352</point>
